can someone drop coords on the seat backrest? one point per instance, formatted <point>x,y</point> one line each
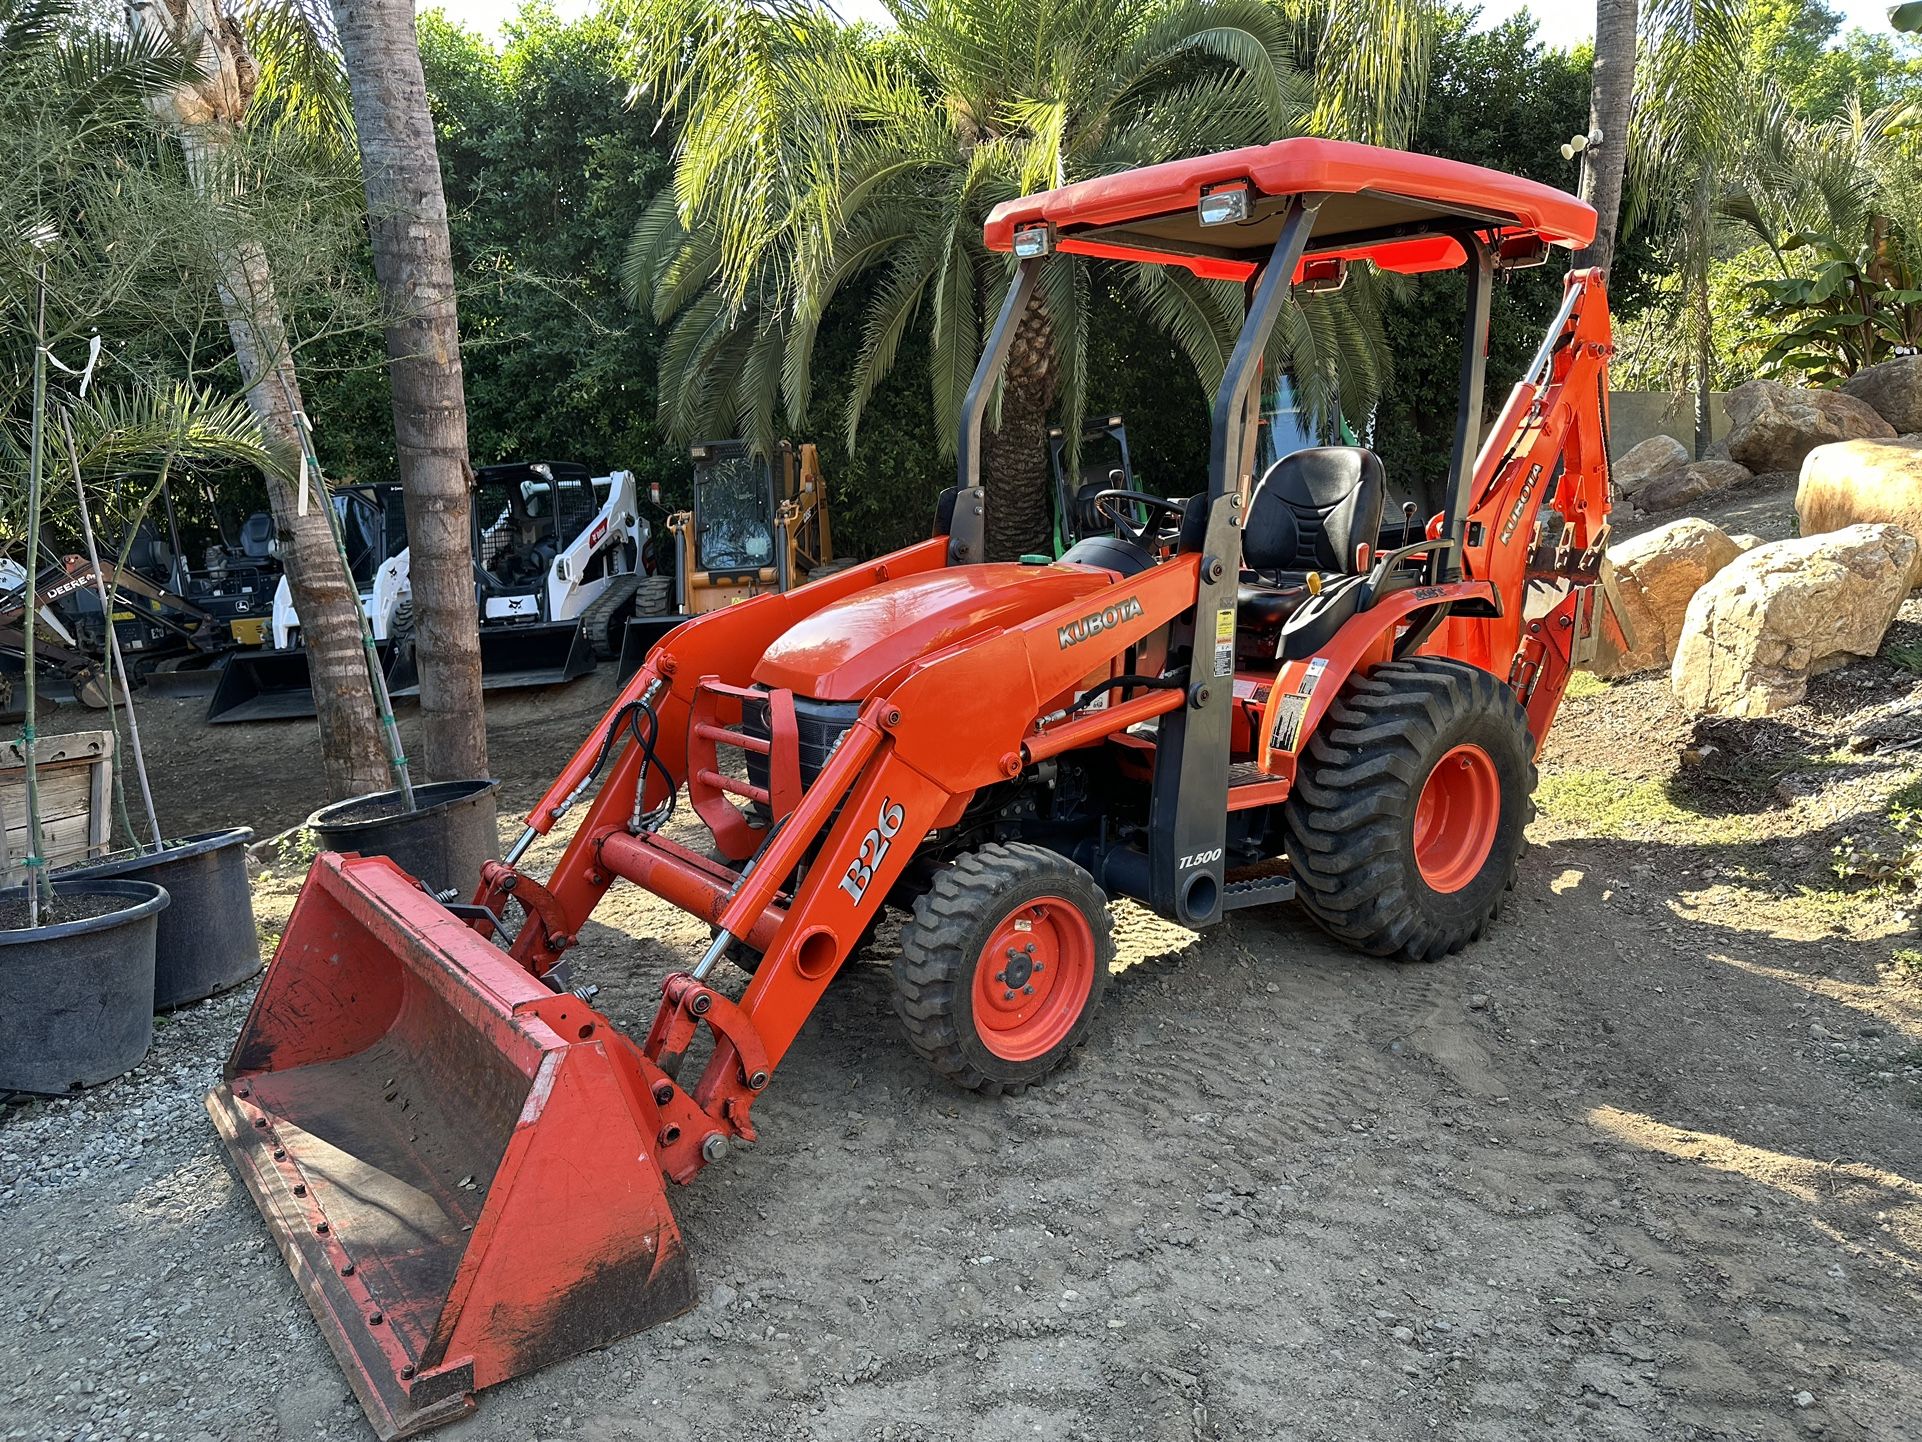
<point>1313,508</point>
<point>148,552</point>
<point>257,536</point>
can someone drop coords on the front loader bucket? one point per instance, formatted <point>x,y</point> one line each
<point>263,686</point>
<point>452,1158</point>
<point>513,657</point>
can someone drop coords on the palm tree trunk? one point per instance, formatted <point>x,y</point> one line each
<point>203,110</point>
<point>323,592</point>
<point>1014,470</point>
<point>407,210</point>
<point>1704,351</point>
<point>1611,97</point>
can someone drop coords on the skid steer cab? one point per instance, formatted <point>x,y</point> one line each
<point>1267,692</point>
<point>557,570</point>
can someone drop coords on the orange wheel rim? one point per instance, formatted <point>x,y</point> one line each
<point>1032,981</point>
<point>1456,819</point>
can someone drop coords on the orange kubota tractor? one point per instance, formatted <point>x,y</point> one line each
<point>1255,695</point>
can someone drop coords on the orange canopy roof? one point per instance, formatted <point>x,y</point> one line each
<point>1391,207</point>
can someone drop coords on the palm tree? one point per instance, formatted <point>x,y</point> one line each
<point>413,260</point>
<point>1697,115</point>
<point>213,100</point>
<point>816,161</point>
<point>1611,101</point>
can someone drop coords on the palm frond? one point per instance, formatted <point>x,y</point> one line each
<point>302,80</point>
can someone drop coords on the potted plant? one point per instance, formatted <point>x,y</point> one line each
<point>206,940</point>
<point>76,957</point>
<point>441,841</point>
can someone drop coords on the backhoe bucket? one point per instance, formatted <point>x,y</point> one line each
<point>455,1162</point>
<point>263,686</point>
<point>513,657</point>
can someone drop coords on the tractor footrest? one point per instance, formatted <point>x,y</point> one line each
<point>1257,891</point>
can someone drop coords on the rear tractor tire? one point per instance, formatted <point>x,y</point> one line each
<point>1407,819</point>
<point>1002,966</point>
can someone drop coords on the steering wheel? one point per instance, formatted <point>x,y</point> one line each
<point>1143,533</point>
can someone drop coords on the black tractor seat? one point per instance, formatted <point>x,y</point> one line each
<point>1314,510</point>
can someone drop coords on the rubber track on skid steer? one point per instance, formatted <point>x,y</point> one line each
<point>620,590</point>
<point>1347,824</point>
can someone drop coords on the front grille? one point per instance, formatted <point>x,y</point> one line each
<point>819,725</point>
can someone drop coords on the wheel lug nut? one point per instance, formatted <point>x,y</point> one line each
<point>1008,996</point>
<point>1029,948</point>
<point>1027,991</point>
<point>1039,968</point>
<point>1002,977</point>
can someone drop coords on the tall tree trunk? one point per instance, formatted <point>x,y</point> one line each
<point>203,112</point>
<point>1611,100</point>
<point>1014,458</point>
<point>1702,322</point>
<point>407,210</point>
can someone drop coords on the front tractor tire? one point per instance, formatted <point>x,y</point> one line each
<point>1002,966</point>
<point>1407,818</point>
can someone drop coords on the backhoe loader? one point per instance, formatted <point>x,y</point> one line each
<point>754,524</point>
<point>1243,700</point>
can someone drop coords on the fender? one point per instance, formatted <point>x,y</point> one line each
<point>1304,690</point>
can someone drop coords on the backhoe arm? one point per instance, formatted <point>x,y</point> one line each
<point>1548,448</point>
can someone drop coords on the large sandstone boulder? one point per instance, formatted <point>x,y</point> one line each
<point>1854,481</point>
<point>1770,619</point>
<point>1656,574</point>
<point>1640,464</point>
<point>1894,388</point>
<point>1771,427</point>
<point>1692,482</point>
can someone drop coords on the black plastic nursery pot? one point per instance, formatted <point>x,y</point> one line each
<point>442,842</point>
<point>206,941</point>
<point>76,997</point>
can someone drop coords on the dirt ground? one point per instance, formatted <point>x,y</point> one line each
<point>1646,1163</point>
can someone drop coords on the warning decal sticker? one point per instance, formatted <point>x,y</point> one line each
<point>1291,710</point>
<point>1225,642</point>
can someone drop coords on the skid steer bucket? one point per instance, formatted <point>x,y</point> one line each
<point>641,635</point>
<point>453,1159</point>
<point>513,657</point>
<point>262,686</point>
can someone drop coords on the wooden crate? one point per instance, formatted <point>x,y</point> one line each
<point>76,811</point>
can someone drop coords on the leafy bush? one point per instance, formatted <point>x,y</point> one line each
<point>1854,307</point>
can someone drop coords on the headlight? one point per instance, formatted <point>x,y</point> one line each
<point>1033,240</point>
<point>1227,204</point>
